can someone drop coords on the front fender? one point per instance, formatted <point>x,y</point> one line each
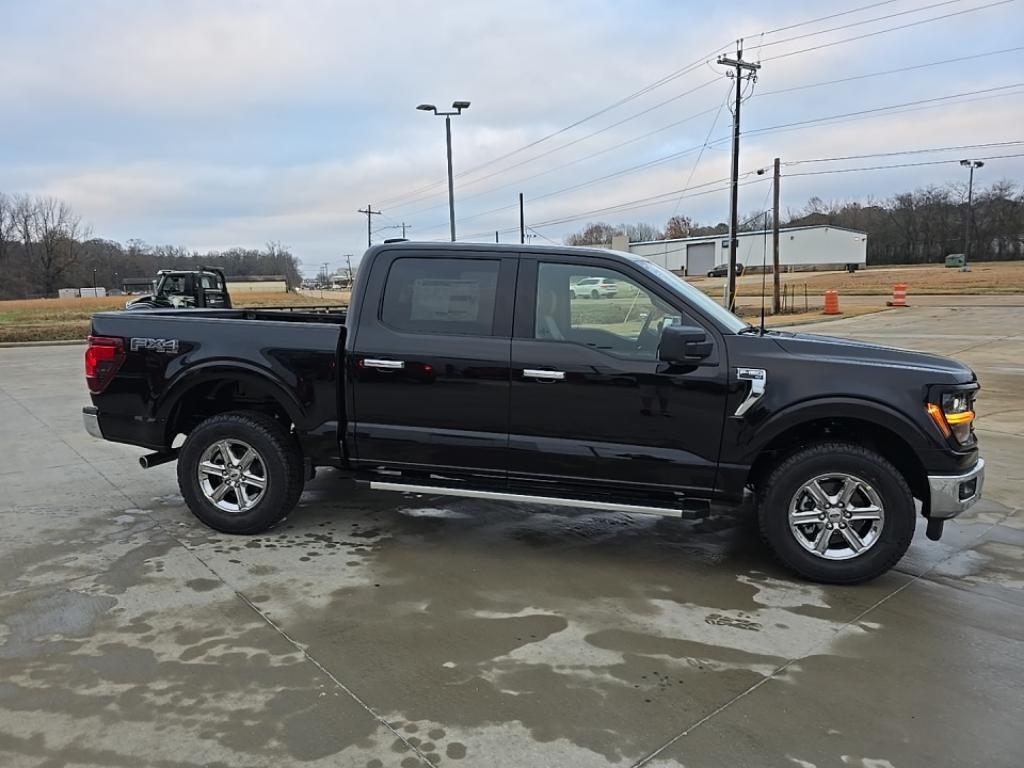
<point>755,435</point>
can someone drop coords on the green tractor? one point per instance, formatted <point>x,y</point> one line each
<point>203,288</point>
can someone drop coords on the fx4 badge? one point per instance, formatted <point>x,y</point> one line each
<point>167,346</point>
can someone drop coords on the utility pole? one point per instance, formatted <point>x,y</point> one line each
<point>370,213</point>
<point>348,262</point>
<point>522,220</point>
<point>496,236</point>
<point>775,239</point>
<point>404,225</point>
<point>739,67</point>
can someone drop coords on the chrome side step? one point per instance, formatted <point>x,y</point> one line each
<point>523,498</point>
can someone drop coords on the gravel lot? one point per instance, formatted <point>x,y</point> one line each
<point>382,630</point>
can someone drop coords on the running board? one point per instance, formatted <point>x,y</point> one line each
<point>524,498</point>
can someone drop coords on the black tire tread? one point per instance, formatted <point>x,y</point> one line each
<point>814,450</point>
<point>283,444</point>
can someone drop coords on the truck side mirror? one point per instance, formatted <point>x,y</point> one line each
<point>682,344</point>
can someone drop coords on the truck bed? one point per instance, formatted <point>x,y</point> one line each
<point>172,357</point>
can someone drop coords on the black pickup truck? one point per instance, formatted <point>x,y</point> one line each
<point>471,370</point>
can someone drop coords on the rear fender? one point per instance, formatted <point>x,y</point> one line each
<point>255,379</point>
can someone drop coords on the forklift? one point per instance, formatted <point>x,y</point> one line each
<point>203,288</point>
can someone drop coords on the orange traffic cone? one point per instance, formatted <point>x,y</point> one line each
<point>899,296</point>
<point>831,303</point>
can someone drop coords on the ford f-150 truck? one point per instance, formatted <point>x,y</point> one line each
<point>470,370</point>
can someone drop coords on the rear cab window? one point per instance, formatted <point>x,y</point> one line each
<point>441,296</point>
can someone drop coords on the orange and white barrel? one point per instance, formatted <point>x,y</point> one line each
<point>899,295</point>
<point>831,302</point>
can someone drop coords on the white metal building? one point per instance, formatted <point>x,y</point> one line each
<point>800,248</point>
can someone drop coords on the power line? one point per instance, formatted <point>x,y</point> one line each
<point>700,155</point>
<point>417,193</point>
<point>573,142</point>
<point>897,165</point>
<point>887,30</point>
<point>837,117</point>
<point>700,114</point>
<point>827,18</point>
<point>904,152</point>
<point>859,23</point>
<point>805,86</point>
<point>919,104</point>
<point>626,99</point>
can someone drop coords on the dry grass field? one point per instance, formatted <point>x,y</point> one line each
<point>984,278</point>
<point>66,319</point>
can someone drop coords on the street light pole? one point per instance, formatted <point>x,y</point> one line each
<point>971,164</point>
<point>457,106</point>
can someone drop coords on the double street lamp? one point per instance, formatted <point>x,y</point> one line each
<point>457,107</point>
<point>972,164</point>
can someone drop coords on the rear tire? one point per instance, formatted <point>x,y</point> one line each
<point>836,513</point>
<point>240,472</point>
<point>595,295</point>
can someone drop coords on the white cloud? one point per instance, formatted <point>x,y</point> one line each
<point>215,124</point>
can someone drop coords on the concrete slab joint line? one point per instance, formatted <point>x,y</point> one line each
<point>373,621</point>
<point>783,667</point>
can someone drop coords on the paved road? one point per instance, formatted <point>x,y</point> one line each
<point>379,630</point>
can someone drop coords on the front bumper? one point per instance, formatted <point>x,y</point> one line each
<point>953,494</point>
<point>91,417</point>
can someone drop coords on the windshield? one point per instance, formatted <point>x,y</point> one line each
<point>696,297</point>
<point>170,285</point>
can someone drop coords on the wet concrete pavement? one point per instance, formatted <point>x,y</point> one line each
<point>385,630</point>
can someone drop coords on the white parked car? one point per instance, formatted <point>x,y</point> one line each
<point>594,288</point>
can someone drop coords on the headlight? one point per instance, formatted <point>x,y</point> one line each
<point>955,415</point>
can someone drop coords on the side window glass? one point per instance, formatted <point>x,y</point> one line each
<point>446,296</point>
<point>600,308</point>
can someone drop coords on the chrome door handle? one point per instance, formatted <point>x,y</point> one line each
<point>391,365</point>
<point>536,373</point>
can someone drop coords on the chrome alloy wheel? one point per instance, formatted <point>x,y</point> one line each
<point>837,516</point>
<point>232,475</point>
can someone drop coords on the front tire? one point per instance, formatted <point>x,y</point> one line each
<point>837,513</point>
<point>240,472</point>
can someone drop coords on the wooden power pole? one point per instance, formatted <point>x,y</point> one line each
<point>739,67</point>
<point>775,240</point>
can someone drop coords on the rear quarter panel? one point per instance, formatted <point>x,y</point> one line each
<point>295,362</point>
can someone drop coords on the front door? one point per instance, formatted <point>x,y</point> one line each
<point>428,369</point>
<point>591,404</point>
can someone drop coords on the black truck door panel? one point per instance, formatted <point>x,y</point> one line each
<point>429,366</point>
<point>591,404</point>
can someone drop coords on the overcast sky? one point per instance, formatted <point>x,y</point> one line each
<point>214,124</point>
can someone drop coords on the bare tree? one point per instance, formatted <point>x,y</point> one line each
<point>7,226</point>
<point>678,227</point>
<point>52,234</point>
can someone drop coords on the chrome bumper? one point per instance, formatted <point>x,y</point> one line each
<point>952,494</point>
<point>91,417</point>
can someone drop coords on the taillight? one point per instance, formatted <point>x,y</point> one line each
<point>103,358</point>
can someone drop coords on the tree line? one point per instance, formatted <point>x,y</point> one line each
<point>910,228</point>
<point>44,246</point>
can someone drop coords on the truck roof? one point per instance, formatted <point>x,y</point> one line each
<point>506,249</point>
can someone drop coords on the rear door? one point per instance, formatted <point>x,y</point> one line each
<point>592,406</point>
<point>429,363</point>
